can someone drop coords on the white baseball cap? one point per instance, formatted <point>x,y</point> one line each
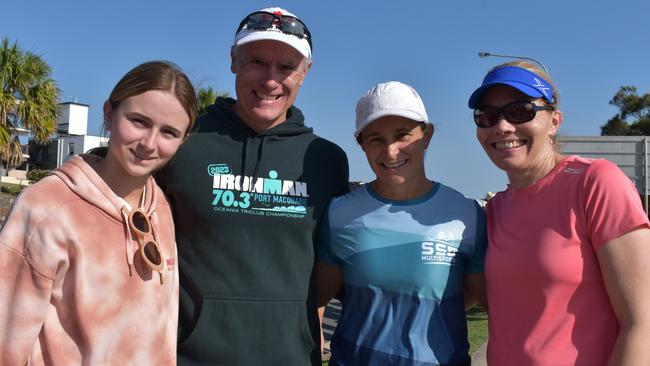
<point>274,33</point>
<point>389,99</point>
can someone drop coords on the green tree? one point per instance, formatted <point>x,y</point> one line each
<point>615,127</point>
<point>28,99</point>
<point>206,97</point>
<point>634,114</point>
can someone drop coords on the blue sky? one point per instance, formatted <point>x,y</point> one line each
<point>590,47</point>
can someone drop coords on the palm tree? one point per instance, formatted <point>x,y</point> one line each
<point>28,99</point>
<point>206,97</point>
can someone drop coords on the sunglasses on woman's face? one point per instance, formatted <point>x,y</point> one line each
<point>515,113</point>
<point>149,248</point>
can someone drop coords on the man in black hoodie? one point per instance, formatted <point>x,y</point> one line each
<point>249,189</point>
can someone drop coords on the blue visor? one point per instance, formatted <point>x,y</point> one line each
<point>516,77</point>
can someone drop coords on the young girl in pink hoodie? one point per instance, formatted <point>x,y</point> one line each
<point>89,270</point>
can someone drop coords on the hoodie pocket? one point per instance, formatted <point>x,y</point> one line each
<point>239,332</point>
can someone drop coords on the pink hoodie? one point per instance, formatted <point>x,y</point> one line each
<point>66,297</point>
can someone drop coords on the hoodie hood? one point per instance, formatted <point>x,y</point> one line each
<point>78,174</point>
<point>223,110</point>
<point>228,122</point>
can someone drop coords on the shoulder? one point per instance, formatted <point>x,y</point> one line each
<point>324,145</point>
<point>46,194</point>
<point>601,166</point>
<point>595,171</point>
<point>352,206</point>
<point>577,164</point>
<point>41,210</point>
<point>218,112</point>
<point>452,196</point>
<point>351,199</point>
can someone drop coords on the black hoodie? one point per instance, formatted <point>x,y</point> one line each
<point>247,207</point>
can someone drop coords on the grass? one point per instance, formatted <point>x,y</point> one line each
<point>476,327</point>
<point>11,188</point>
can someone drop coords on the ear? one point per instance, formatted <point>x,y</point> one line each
<point>307,67</point>
<point>233,60</point>
<point>108,109</point>
<point>556,121</point>
<point>427,134</point>
<point>359,140</point>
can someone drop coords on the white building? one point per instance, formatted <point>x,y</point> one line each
<point>71,138</point>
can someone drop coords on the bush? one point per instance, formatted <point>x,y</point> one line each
<point>11,188</point>
<point>35,175</point>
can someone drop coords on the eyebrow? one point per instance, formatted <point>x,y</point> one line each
<point>372,134</point>
<point>138,114</point>
<point>172,129</point>
<point>144,117</point>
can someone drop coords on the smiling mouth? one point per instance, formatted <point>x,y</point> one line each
<point>394,165</point>
<point>266,96</point>
<point>508,145</point>
<point>142,158</point>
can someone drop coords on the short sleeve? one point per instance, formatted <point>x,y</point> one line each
<point>477,260</point>
<point>613,205</point>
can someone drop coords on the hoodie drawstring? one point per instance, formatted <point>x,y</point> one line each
<point>129,240</point>
<point>257,162</point>
<point>244,152</point>
<point>154,224</point>
<point>256,168</point>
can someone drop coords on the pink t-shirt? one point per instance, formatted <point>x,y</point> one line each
<point>548,304</point>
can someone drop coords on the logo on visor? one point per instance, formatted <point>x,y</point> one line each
<point>541,86</point>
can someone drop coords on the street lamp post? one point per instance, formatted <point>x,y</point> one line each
<point>490,54</point>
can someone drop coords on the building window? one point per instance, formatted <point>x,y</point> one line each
<point>71,148</point>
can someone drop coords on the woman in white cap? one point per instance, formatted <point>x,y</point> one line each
<point>403,247</point>
<point>567,269</point>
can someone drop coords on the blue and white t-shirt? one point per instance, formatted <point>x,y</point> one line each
<point>403,265</point>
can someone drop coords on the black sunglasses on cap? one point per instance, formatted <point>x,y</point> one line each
<point>261,20</point>
<point>515,113</point>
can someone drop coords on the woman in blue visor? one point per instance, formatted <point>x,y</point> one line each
<point>567,270</point>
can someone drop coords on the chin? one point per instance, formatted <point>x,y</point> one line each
<point>267,118</point>
<point>506,166</point>
<point>140,171</point>
<point>392,180</point>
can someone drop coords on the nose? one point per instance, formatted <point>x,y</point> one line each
<point>148,141</point>
<point>503,125</point>
<point>272,78</point>
<point>392,149</point>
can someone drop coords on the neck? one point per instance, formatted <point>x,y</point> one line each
<point>127,187</point>
<point>527,177</point>
<point>402,191</point>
